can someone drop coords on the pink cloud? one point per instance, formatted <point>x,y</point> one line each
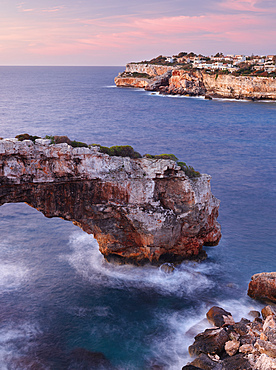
<point>52,10</point>
<point>244,6</point>
<point>133,36</point>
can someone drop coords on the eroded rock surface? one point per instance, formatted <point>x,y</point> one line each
<point>263,286</point>
<point>197,83</point>
<point>138,209</point>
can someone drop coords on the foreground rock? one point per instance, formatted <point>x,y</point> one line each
<point>139,210</point>
<point>174,80</point>
<point>236,346</point>
<point>263,286</point>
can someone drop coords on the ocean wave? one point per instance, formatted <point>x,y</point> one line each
<point>12,275</point>
<point>88,262</point>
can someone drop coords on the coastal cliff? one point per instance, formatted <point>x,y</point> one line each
<point>139,210</point>
<point>196,82</point>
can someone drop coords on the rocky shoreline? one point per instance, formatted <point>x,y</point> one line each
<point>172,80</point>
<point>243,345</point>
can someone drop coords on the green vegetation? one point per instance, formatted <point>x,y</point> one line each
<point>181,54</point>
<point>136,75</point>
<point>189,170</point>
<point>22,137</point>
<point>65,139</point>
<point>49,137</point>
<point>78,144</point>
<point>162,156</point>
<point>119,151</point>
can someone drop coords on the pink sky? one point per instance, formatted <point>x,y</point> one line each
<point>94,32</point>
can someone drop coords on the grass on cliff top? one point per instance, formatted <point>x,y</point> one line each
<point>117,150</point>
<point>22,137</point>
<point>136,75</point>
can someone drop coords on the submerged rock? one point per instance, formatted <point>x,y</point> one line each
<point>219,317</point>
<point>168,268</point>
<point>81,358</point>
<point>139,210</point>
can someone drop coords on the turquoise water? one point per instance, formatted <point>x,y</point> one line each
<point>58,294</point>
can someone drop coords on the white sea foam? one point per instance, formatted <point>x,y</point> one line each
<point>183,326</point>
<point>88,262</point>
<point>171,351</point>
<point>14,342</point>
<point>12,275</point>
<point>240,308</point>
<point>175,96</point>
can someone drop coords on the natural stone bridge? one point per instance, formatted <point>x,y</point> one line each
<point>138,209</point>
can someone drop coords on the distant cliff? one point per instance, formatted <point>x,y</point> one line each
<point>138,209</point>
<point>174,80</point>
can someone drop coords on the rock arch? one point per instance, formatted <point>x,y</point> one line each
<point>138,209</point>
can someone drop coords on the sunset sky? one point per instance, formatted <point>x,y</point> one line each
<point>114,32</point>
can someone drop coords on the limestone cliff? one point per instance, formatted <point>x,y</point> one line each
<point>138,209</point>
<point>197,83</point>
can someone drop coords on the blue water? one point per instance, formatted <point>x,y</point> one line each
<point>58,294</point>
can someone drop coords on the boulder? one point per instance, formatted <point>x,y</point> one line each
<point>270,323</point>
<point>237,362</point>
<point>263,286</point>
<point>168,268</point>
<point>204,362</point>
<point>265,363</point>
<point>267,311</point>
<point>246,348</point>
<point>219,317</point>
<point>254,314</point>
<point>210,341</point>
<point>240,328</point>
<point>231,347</point>
<point>266,347</point>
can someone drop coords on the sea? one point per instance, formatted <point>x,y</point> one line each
<point>60,301</point>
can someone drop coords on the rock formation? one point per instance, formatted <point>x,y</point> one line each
<point>138,209</point>
<point>236,346</point>
<point>263,286</point>
<point>197,82</point>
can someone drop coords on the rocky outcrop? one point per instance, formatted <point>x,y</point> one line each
<point>199,83</point>
<point>138,209</point>
<point>150,69</point>
<point>263,286</point>
<point>241,87</point>
<point>242,345</point>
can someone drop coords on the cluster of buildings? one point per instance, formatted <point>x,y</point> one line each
<point>231,63</point>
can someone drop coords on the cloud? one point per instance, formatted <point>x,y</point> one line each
<point>246,6</point>
<point>52,10</point>
<point>134,37</point>
<point>21,8</point>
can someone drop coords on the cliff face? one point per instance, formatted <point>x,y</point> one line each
<point>242,87</point>
<point>138,209</point>
<point>198,83</point>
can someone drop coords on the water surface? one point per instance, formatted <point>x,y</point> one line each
<point>58,294</point>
